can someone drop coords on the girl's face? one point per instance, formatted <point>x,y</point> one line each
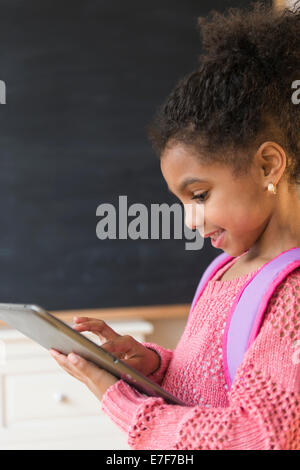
<point>242,207</point>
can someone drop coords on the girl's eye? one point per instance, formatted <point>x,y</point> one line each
<point>200,196</point>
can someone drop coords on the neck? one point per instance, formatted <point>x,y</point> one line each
<point>282,231</point>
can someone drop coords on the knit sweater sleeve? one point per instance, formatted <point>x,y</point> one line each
<point>264,399</point>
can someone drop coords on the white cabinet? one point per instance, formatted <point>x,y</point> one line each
<point>42,407</point>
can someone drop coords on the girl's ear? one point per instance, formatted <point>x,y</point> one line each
<point>272,160</point>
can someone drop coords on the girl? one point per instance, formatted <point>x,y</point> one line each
<point>228,138</point>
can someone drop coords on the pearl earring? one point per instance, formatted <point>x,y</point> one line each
<point>272,188</point>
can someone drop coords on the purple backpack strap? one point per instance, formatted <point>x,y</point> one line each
<point>208,274</point>
<point>246,315</point>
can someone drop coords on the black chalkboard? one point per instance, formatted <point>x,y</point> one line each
<point>83,79</point>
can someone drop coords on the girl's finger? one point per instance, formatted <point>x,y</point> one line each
<point>98,327</point>
<point>80,319</point>
<point>61,359</point>
<point>86,370</point>
<point>63,362</point>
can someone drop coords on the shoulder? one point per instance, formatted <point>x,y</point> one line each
<point>284,306</point>
<point>289,288</point>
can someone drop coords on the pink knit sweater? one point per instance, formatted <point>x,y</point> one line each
<point>262,408</point>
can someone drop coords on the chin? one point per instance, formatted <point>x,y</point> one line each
<point>235,253</point>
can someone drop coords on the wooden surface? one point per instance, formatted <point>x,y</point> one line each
<point>152,312</point>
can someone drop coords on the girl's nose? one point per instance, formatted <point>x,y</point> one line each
<point>194,216</point>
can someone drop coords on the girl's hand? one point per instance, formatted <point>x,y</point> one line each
<point>95,378</point>
<point>126,348</point>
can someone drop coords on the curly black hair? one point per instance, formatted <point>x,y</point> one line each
<point>241,94</point>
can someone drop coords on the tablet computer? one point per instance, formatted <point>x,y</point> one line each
<point>50,332</point>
